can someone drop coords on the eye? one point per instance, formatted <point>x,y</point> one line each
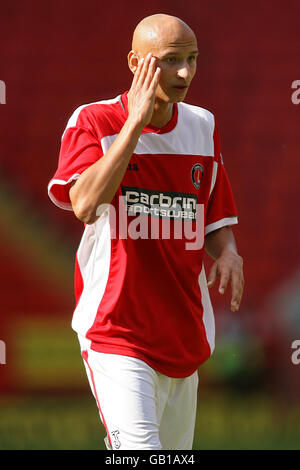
<point>171,60</point>
<point>192,58</point>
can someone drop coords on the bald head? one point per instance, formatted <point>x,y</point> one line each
<point>172,45</point>
<point>161,30</point>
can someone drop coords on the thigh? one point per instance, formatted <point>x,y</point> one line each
<point>177,422</point>
<point>125,390</point>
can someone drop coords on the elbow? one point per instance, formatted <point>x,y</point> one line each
<point>80,206</point>
<point>84,213</point>
<point>85,208</point>
<point>85,218</point>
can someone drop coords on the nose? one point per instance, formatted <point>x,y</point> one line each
<point>184,71</point>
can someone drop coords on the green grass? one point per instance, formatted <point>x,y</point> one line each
<point>50,423</point>
<point>223,421</point>
<point>238,422</point>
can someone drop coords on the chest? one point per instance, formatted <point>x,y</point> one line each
<point>180,175</point>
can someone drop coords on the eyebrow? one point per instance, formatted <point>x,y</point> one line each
<point>178,53</point>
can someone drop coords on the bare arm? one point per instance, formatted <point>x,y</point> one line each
<point>228,266</point>
<point>98,184</point>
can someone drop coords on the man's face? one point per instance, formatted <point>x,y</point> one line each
<point>178,67</point>
<point>175,49</point>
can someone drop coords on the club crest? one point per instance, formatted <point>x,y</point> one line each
<point>196,174</point>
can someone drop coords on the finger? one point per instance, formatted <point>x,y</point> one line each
<point>150,73</point>
<point>237,285</point>
<point>212,275</point>
<point>224,275</point>
<point>144,70</point>
<point>138,71</point>
<point>155,80</point>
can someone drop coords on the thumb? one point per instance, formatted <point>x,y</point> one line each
<point>212,275</point>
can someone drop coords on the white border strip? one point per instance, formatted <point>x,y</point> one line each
<point>208,313</point>
<point>220,223</point>
<point>62,205</point>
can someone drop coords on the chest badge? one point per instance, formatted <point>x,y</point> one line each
<point>196,175</point>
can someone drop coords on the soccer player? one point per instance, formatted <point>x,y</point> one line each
<point>146,159</point>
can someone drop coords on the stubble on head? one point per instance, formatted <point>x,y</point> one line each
<point>160,30</point>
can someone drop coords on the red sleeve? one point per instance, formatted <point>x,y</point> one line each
<point>80,148</point>
<point>221,209</point>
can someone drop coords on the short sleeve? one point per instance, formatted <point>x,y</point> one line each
<point>221,208</point>
<point>80,148</point>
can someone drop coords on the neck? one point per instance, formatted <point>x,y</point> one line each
<point>162,113</point>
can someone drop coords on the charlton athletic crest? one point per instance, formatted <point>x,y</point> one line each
<point>196,174</point>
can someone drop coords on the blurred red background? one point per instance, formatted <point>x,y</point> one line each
<point>57,55</point>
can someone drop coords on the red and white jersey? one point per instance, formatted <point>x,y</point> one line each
<point>146,296</point>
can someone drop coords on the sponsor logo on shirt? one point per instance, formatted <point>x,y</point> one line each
<point>162,204</point>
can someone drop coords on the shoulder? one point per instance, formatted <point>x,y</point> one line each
<point>96,110</point>
<point>97,117</point>
<point>196,114</point>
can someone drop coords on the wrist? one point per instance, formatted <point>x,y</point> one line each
<point>230,249</point>
<point>134,126</point>
<point>230,253</point>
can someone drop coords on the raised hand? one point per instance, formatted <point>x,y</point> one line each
<point>141,96</point>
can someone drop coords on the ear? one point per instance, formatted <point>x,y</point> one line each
<point>133,59</point>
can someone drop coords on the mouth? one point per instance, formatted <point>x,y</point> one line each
<point>180,87</point>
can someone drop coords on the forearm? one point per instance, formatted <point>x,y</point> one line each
<point>218,241</point>
<point>98,184</point>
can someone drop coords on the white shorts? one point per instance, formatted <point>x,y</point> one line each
<point>140,408</point>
